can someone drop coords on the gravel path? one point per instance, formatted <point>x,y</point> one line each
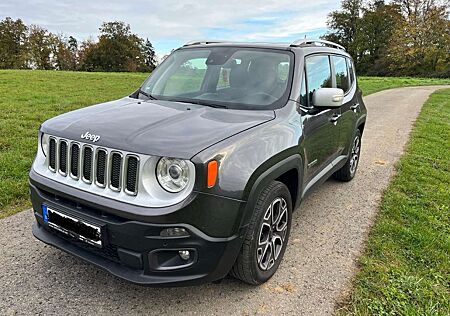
<point>328,234</point>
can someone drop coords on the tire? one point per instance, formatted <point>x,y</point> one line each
<point>348,171</point>
<point>265,240</point>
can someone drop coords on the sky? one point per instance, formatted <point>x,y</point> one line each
<point>169,24</point>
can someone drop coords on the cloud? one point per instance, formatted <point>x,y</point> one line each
<point>176,21</point>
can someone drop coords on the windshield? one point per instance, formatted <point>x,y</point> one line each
<point>239,78</point>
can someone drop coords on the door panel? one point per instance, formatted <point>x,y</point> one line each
<point>344,74</point>
<point>347,124</point>
<point>321,132</point>
<point>321,137</point>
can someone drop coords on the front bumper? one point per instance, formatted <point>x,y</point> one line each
<point>133,249</point>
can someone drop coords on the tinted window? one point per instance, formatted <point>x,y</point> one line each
<point>187,78</point>
<point>241,78</point>
<point>318,73</point>
<point>351,71</point>
<point>341,73</point>
<point>303,96</point>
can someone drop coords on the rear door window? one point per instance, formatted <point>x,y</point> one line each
<point>351,71</point>
<point>341,72</point>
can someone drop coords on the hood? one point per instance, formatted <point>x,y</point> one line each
<point>159,128</point>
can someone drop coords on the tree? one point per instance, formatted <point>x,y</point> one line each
<point>73,44</point>
<point>39,48</point>
<point>378,23</point>
<point>117,50</point>
<point>420,44</point>
<point>73,48</point>
<point>405,37</point>
<point>149,55</point>
<point>345,26</point>
<point>62,56</point>
<point>85,53</point>
<point>13,38</point>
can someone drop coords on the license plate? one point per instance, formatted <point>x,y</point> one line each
<point>72,226</point>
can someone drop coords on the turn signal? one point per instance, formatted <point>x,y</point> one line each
<point>212,173</point>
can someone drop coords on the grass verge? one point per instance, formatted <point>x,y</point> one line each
<point>405,269</point>
<point>371,85</point>
<point>28,98</point>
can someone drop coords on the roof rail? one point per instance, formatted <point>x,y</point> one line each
<point>316,42</point>
<point>203,42</point>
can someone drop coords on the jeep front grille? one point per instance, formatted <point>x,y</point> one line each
<point>75,161</point>
<point>63,157</point>
<point>87,163</point>
<point>52,154</point>
<point>100,167</point>
<point>116,171</point>
<point>131,175</point>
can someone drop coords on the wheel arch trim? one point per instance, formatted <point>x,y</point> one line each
<point>254,187</point>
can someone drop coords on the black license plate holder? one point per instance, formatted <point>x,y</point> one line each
<point>74,227</point>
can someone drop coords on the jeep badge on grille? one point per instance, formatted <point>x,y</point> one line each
<point>88,136</point>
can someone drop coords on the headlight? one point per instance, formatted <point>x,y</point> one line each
<point>44,143</point>
<point>172,174</point>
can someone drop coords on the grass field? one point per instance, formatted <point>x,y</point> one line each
<point>27,98</point>
<point>406,266</point>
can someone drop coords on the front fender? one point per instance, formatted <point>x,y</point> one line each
<point>244,157</point>
<point>261,179</point>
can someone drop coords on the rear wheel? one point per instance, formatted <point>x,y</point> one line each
<point>266,237</point>
<point>348,171</point>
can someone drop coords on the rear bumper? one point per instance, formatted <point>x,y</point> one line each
<point>133,249</point>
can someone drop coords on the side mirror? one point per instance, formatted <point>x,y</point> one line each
<point>328,97</point>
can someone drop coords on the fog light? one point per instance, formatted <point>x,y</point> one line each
<point>174,232</point>
<point>184,254</point>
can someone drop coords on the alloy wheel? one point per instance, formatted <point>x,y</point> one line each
<point>355,155</point>
<point>272,234</point>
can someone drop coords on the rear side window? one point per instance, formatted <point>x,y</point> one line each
<point>318,74</point>
<point>351,71</point>
<point>341,72</point>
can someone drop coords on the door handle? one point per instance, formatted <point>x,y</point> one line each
<point>354,107</point>
<point>335,118</point>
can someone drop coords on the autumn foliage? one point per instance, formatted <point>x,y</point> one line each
<point>33,47</point>
<point>403,37</point>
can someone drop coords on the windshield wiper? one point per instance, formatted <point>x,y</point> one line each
<point>201,102</point>
<point>148,95</point>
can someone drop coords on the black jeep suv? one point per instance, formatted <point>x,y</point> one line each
<point>196,174</point>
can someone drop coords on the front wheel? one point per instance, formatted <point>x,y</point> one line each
<point>348,171</point>
<point>266,237</point>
